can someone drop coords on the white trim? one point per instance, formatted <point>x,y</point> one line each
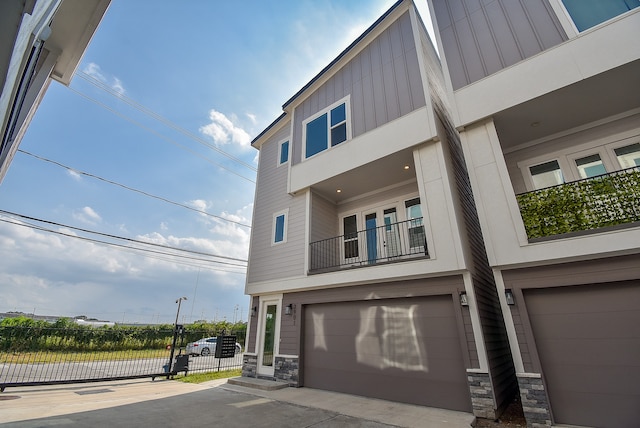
<point>347,106</point>
<point>475,321</point>
<point>565,19</point>
<point>265,301</point>
<point>508,320</point>
<point>276,215</point>
<point>280,144</point>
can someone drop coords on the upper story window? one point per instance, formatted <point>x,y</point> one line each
<point>283,153</point>
<point>546,174</point>
<point>592,162</point>
<point>589,13</point>
<point>280,227</point>
<point>326,129</point>
<point>628,156</point>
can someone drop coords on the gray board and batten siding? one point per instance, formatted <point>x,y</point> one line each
<point>480,37</point>
<point>383,82</point>
<point>267,261</point>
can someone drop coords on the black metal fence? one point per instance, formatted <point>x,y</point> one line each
<point>389,243</point>
<point>592,203</point>
<point>41,356</point>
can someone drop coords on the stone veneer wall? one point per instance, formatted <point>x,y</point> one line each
<point>481,394</point>
<point>535,403</point>
<point>287,370</point>
<point>249,365</point>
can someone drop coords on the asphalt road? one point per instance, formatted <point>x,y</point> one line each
<point>61,371</point>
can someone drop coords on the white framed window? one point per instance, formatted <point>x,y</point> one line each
<point>546,174</point>
<point>283,152</point>
<point>279,232</point>
<point>327,128</point>
<point>586,14</point>
<point>628,156</point>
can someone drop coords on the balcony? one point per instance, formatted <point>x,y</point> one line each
<point>393,242</point>
<point>593,203</point>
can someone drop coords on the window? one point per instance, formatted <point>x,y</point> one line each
<point>417,238</point>
<point>590,166</point>
<point>327,130</point>
<point>350,225</point>
<point>283,150</point>
<point>280,227</point>
<point>628,156</point>
<point>589,13</point>
<point>546,175</point>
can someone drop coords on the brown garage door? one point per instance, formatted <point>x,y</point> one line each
<point>404,350</point>
<point>588,340</point>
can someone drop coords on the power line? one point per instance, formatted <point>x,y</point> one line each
<point>9,213</point>
<point>128,248</point>
<point>77,171</point>
<point>101,85</point>
<point>128,119</point>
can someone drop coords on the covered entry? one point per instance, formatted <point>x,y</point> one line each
<point>588,342</point>
<point>405,350</point>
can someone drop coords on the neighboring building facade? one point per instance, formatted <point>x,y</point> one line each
<point>547,93</point>
<point>367,268</point>
<point>41,40</point>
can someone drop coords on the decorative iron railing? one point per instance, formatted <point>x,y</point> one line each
<point>388,243</point>
<point>592,203</point>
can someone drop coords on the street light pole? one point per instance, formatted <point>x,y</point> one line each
<point>175,335</point>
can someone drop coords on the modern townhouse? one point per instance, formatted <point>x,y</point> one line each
<point>545,95</point>
<point>367,269</point>
<point>42,40</point>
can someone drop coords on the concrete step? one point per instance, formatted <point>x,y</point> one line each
<point>262,384</point>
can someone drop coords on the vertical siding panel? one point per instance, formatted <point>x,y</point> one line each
<point>471,57</point>
<point>379,100</point>
<point>489,51</point>
<point>402,81</point>
<point>368,99</point>
<point>415,79</point>
<point>391,91</point>
<point>504,37</point>
<point>522,29</point>
<point>358,109</point>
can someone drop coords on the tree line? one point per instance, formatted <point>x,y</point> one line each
<point>23,334</point>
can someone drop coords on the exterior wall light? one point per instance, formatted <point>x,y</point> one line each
<point>463,299</point>
<point>508,294</point>
<point>254,311</point>
<point>288,310</point>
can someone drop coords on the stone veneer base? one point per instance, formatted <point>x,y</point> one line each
<point>481,394</point>
<point>535,403</point>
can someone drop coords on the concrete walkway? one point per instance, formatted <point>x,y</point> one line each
<point>238,403</point>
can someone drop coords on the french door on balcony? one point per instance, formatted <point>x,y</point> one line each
<point>382,241</point>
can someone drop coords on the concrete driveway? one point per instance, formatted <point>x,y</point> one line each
<point>159,403</point>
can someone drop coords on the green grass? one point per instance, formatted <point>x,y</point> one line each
<point>57,357</point>
<point>205,377</point>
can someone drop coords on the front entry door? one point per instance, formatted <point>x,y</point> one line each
<point>268,336</point>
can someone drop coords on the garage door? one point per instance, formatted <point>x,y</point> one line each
<point>588,340</point>
<point>405,350</point>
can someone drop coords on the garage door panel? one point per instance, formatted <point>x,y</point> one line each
<point>404,350</point>
<point>588,341</point>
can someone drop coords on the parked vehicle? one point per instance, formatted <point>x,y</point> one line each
<point>206,346</point>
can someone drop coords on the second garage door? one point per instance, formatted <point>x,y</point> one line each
<point>588,340</point>
<point>405,350</point>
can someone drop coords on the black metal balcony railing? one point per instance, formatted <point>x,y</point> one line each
<point>592,203</point>
<point>389,243</point>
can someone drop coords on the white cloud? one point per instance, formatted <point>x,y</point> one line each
<point>223,130</point>
<point>252,117</point>
<point>87,215</point>
<point>94,70</point>
<point>76,176</point>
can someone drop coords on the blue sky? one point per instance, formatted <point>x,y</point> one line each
<point>210,77</point>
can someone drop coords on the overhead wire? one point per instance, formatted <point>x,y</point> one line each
<point>77,171</point>
<point>101,85</point>
<point>107,235</point>
<point>184,260</point>
<point>146,128</point>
